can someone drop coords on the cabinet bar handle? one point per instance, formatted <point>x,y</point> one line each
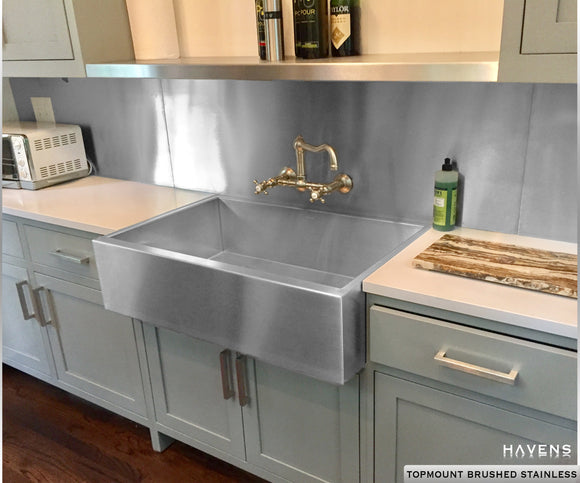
<point>25,313</point>
<point>506,378</point>
<point>241,378</point>
<point>69,257</point>
<point>225,365</point>
<point>41,317</point>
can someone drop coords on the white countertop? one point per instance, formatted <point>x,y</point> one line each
<point>397,279</point>
<point>96,204</point>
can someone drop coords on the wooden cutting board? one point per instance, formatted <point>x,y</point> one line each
<point>530,268</point>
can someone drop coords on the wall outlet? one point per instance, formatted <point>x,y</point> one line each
<point>42,107</point>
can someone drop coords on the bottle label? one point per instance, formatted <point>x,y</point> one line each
<point>274,14</point>
<point>445,207</point>
<point>339,25</point>
<point>453,207</point>
<point>311,28</point>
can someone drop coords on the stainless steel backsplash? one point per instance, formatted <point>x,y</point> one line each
<point>515,144</point>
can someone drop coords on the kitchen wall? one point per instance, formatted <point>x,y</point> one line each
<point>515,144</point>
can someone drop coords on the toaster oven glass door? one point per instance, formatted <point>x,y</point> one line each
<point>9,171</point>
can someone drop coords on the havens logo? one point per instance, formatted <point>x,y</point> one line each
<point>537,451</point>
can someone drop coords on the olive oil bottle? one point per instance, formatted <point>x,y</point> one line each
<point>345,27</point>
<point>311,28</point>
<point>296,9</point>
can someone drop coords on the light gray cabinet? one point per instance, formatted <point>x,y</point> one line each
<point>186,377</point>
<point>23,339</point>
<point>300,428</point>
<point>71,340</point>
<point>442,393</point>
<point>416,424</point>
<point>539,41</point>
<point>95,350</point>
<point>269,421</point>
<point>56,38</point>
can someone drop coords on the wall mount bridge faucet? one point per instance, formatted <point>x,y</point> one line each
<point>297,179</point>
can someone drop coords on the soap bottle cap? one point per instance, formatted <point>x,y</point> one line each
<point>447,166</point>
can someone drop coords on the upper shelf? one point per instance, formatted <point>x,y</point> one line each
<point>420,67</point>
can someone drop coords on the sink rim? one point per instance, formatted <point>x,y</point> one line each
<point>256,273</point>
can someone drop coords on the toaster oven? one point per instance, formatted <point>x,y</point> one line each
<point>36,155</point>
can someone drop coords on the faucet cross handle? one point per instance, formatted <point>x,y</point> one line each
<point>260,187</point>
<point>287,175</point>
<point>316,195</point>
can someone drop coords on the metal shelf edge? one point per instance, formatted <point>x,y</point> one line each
<point>441,67</point>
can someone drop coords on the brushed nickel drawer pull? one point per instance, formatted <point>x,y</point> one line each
<point>506,378</point>
<point>226,372</point>
<point>70,257</point>
<point>41,317</point>
<point>25,313</point>
<point>243,396</point>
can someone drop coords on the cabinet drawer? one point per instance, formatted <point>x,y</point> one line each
<point>61,250</point>
<point>11,240</point>
<point>545,377</point>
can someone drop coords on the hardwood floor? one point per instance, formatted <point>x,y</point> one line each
<point>52,436</point>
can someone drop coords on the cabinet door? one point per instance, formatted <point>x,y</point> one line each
<point>538,41</point>
<point>35,30</point>
<point>300,428</point>
<point>24,344</point>
<point>188,394</point>
<point>95,350</point>
<point>416,424</point>
<point>550,27</point>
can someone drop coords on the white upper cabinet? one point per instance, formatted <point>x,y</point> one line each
<point>539,41</point>
<point>56,38</point>
<point>35,30</point>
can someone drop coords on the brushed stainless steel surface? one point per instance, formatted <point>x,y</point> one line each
<point>508,140</point>
<point>273,30</point>
<point>442,67</point>
<point>22,298</point>
<point>391,138</point>
<point>122,122</point>
<point>277,283</point>
<point>549,198</point>
<point>498,376</point>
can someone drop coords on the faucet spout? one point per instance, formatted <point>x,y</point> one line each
<point>300,146</point>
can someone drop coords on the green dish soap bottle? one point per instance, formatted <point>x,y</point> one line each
<point>445,201</point>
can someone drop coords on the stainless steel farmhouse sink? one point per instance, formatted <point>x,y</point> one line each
<point>278,283</point>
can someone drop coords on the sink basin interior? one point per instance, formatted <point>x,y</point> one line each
<point>314,246</point>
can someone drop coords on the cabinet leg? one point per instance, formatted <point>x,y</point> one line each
<point>160,441</point>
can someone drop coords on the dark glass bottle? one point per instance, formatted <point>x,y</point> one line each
<point>345,27</point>
<point>312,28</point>
<point>296,10</point>
<point>260,29</point>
